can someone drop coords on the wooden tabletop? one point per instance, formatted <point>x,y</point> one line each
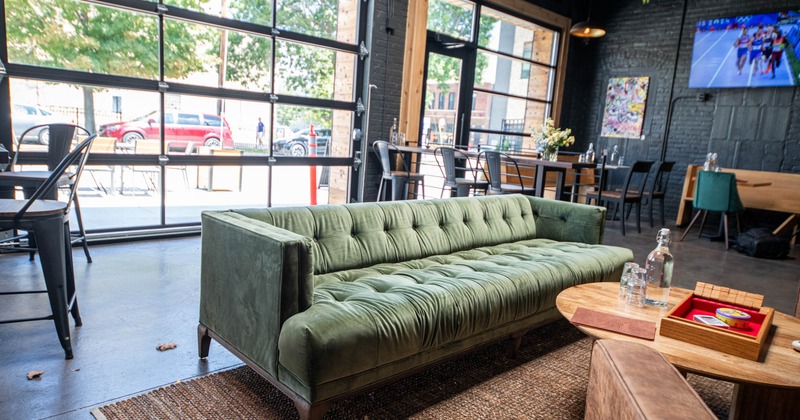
<point>779,366</point>
<point>9,208</point>
<point>24,176</point>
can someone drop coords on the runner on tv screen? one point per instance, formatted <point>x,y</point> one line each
<point>747,51</point>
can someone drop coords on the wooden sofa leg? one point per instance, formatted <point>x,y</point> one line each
<point>203,341</point>
<point>515,342</point>
<point>310,412</point>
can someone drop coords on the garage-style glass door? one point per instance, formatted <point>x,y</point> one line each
<point>198,105</point>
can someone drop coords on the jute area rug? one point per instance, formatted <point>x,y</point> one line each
<point>547,381</point>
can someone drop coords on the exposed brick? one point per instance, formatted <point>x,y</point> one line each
<point>642,41</point>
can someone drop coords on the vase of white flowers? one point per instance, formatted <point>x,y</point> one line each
<point>551,138</point>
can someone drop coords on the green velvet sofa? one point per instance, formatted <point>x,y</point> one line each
<point>329,301</point>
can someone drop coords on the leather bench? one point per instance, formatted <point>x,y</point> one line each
<point>632,381</point>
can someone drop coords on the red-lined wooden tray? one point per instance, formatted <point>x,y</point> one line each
<point>746,343</point>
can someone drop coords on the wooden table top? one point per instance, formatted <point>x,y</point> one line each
<point>32,176</point>
<point>779,366</point>
<point>9,208</point>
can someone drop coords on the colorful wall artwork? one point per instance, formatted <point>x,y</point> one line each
<point>624,111</point>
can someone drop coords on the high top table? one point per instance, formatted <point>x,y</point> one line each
<point>764,389</point>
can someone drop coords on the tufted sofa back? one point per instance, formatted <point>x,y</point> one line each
<point>360,235</point>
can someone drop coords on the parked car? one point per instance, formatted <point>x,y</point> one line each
<point>181,128</point>
<point>24,117</point>
<point>298,144</point>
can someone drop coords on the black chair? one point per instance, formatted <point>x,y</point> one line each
<point>60,139</point>
<point>48,221</point>
<point>659,188</point>
<point>395,178</point>
<point>494,164</point>
<point>597,183</point>
<point>446,158</point>
<point>631,193</point>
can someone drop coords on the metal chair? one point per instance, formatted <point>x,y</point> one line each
<point>188,151</point>
<point>103,145</point>
<point>595,185</point>
<point>61,138</point>
<point>659,188</point>
<point>446,158</point>
<point>631,193</point>
<point>494,164</point>
<point>151,174</point>
<point>395,178</point>
<point>716,191</point>
<point>48,221</point>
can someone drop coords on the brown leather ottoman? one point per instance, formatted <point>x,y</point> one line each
<point>632,381</point>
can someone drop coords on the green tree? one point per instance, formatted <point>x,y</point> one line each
<point>81,36</point>
<point>302,70</point>
<point>455,21</point>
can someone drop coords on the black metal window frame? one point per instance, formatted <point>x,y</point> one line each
<point>162,11</point>
<point>468,86</point>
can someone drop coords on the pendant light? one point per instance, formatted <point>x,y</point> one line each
<point>586,30</point>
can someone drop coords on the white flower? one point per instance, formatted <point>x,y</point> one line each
<point>551,136</point>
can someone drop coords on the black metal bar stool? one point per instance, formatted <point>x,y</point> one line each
<point>396,179</point>
<point>48,221</point>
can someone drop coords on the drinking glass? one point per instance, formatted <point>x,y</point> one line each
<point>623,281</point>
<point>637,288</point>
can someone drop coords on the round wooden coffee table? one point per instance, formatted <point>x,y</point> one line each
<point>767,388</point>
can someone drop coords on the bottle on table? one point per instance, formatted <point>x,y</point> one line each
<point>590,153</point>
<point>393,134</point>
<point>659,271</point>
<point>615,155</point>
<point>707,163</point>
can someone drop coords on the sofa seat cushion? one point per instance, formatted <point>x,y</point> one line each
<point>364,318</point>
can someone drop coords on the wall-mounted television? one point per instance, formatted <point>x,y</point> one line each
<point>747,51</point>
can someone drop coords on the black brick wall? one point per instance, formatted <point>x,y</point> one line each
<point>748,128</point>
<point>386,72</point>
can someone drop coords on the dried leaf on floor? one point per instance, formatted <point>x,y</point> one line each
<point>166,346</point>
<point>35,374</point>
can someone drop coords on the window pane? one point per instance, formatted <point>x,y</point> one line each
<point>330,19</point>
<point>501,142</point>
<point>253,11</point>
<point>304,70</point>
<point>505,75</point>
<point>332,127</point>
<point>451,17</point>
<point>196,53</point>
<point>291,185</point>
<point>192,189</point>
<point>509,35</point>
<point>111,196</point>
<point>81,36</point>
<point>501,113</point>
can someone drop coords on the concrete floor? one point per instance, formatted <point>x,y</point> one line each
<point>137,295</point>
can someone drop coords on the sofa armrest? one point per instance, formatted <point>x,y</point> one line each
<point>632,381</point>
<point>568,222</point>
<point>253,276</point>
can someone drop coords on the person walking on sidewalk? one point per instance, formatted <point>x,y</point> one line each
<point>260,134</point>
